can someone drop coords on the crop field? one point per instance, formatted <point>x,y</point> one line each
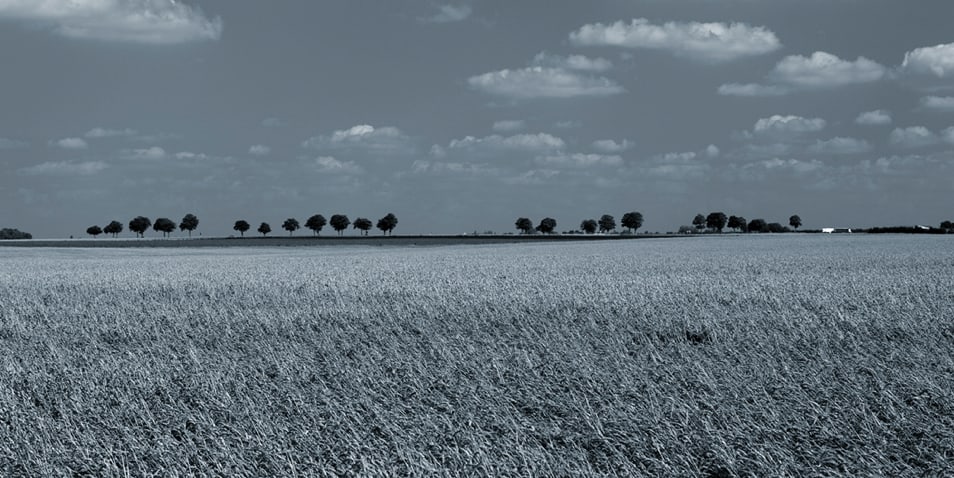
<point>783,355</point>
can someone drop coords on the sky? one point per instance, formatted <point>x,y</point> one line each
<point>461,117</point>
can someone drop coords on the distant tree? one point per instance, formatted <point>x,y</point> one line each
<point>140,225</point>
<point>264,229</point>
<point>632,221</point>
<point>589,226</point>
<point>340,222</point>
<point>947,226</point>
<point>758,225</point>
<point>777,227</point>
<point>114,228</point>
<point>164,225</point>
<point>547,225</point>
<point>607,223</point>
<point>387,223</point>
<point>686,229</point>
<point>363,224</point>
<point>94,230</point>
<point>716,220</point>
<point>315,223</point>
<point>795,222</point>
<point>189,223</point>
<point>290,225</point>
<point>736,222</point>
<point>524,225</point>
<point>699,221</point>
<point>241,226</point>
<point>7,233</point>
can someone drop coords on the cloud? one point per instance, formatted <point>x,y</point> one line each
<point>146,154</point>
<point>778,125</point>
<point>541,82</point>
<point>450,168</point>
<point>449,14</point>
<point>948,135</point>
<point>71,143</point>
<point>712,151</point>
<point>364,137</point>
<point>64,168</point>
<point>508,126</point>
<point>572,62</point>
<point>708,42</point>
<point>330,165</point>
<point>840,145</point>
<point>97,133</point>
<point>752,89</point>
<point>567,124</point>
<point>11,144</point>
<point>191,155</point>
<point>943,104</point>
<point>933,61</point>
<point>818,71</point>
<point>533,177</point>
<point>539,142</point>
<point>580,160</point>
<point>611,146</point>
<point>259,150</point>
<point>912,137</point>
<point>159,22</point>
<point>876,117</point>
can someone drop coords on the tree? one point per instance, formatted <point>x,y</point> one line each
<point>94,230</point>
<point>114,228</point>
<point>795,221</point>
<point>340,222</point>
<point>716,220</point>
<point>632,221</point>
<point>699,221</point>
<point>758,225</point>
<point>736,222</point>
<point>547,225</point>
<point>241,226</point>
<point>264,229</point>
<point>524,225</point>
<point>164,225</point>
<point>290,225</point>
<point>387,223</point>
<point>315,223</point>
<point>140,225</point>
<point>947,225</point>
<point>363,224</point>
<point>589,226</point>
<point>777,227</point>
<point>189,223</point>
<point>607,223</point>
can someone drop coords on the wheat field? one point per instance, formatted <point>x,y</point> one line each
<point>791,355</point>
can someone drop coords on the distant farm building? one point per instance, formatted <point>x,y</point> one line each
<point>836,230</point>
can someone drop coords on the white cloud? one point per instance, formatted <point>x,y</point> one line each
<point>572,62</point>
<point>710,42</point>
<point>64,168</point>
<point>840,145</point>
<point>712,151</point>
<point>912,137</point>
<point>97,133</point>
<point>446,168</point>
<point>794,165</point>
<point>147,154</point>
<point>330,165</point>
<point>259,150</point>
<point>752,89</point>
<point>11,144</point>
<point>824,70</point>
<point>944,104</point>
<point>876,117</point>
<point>71,143</point>
<point>386,139</point>
<point>540,82</point>
<point>948,135</point>
<point>611,146</point>
<point>508,126</point>
<point>934,61</point>
<point>449,14</point>
<point>579,160</point>
<point>540,142</point>
<point>788,125</point>
<point>139,21</point>
<point>191,155</point>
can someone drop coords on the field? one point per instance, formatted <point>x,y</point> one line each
<point>788,355</point>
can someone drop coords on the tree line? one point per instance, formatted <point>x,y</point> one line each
<point>607,223</point>
<point>717,221</point>
<point>339,222</point>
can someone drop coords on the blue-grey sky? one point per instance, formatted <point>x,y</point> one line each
<point>463,116</point>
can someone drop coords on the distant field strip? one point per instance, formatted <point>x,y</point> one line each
<point>737,356</point>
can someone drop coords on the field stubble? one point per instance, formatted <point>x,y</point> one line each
<point>776,356</point>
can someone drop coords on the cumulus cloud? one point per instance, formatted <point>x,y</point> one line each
<point>818,71</point>
<point>611,146</point>
<point>386,139</point>
<point>709,42</point>
<point>330,165</point>
<point>948,135</point>
<point>572,62</point>
<point>11,144</point>
<point>139,21</point>
<point>64,168</point>
<point>146,154</point>
<point>943,104</point>
<point>873,118</point>
<point>933,61</point>
<point>912,137</point>
<point>71,143</point>
<point>449,14</point>
<point>840,145</point>
<point>508,126</point>
<point>751,89</point>
<point>97,133</point>
<point>580,160</point>
<point>778,125</point>
<point>543,82</point>
<point>540,142</point>
<point>259,150</point>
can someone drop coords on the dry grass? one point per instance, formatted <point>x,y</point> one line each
<point>794,356</point>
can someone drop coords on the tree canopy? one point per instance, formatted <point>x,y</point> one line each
<point>716,220</point>
<point>363,224</point>
<point>164,225</point>
<point>264,229</point>
<point>94,230</point>
<point>290,225</point>
<point>316,223</point>
<point>139,225</point>
<point>241,226</point>
<point>114,228</point>
<point>524,225</point>
<point>387,223</point>
<point>189,223</point>
<point>632,220</point>
<point>340,222</point>
<point>795,221</point>
<point>589,226</point>
<point>607,223</point>
<point>547,225</point>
